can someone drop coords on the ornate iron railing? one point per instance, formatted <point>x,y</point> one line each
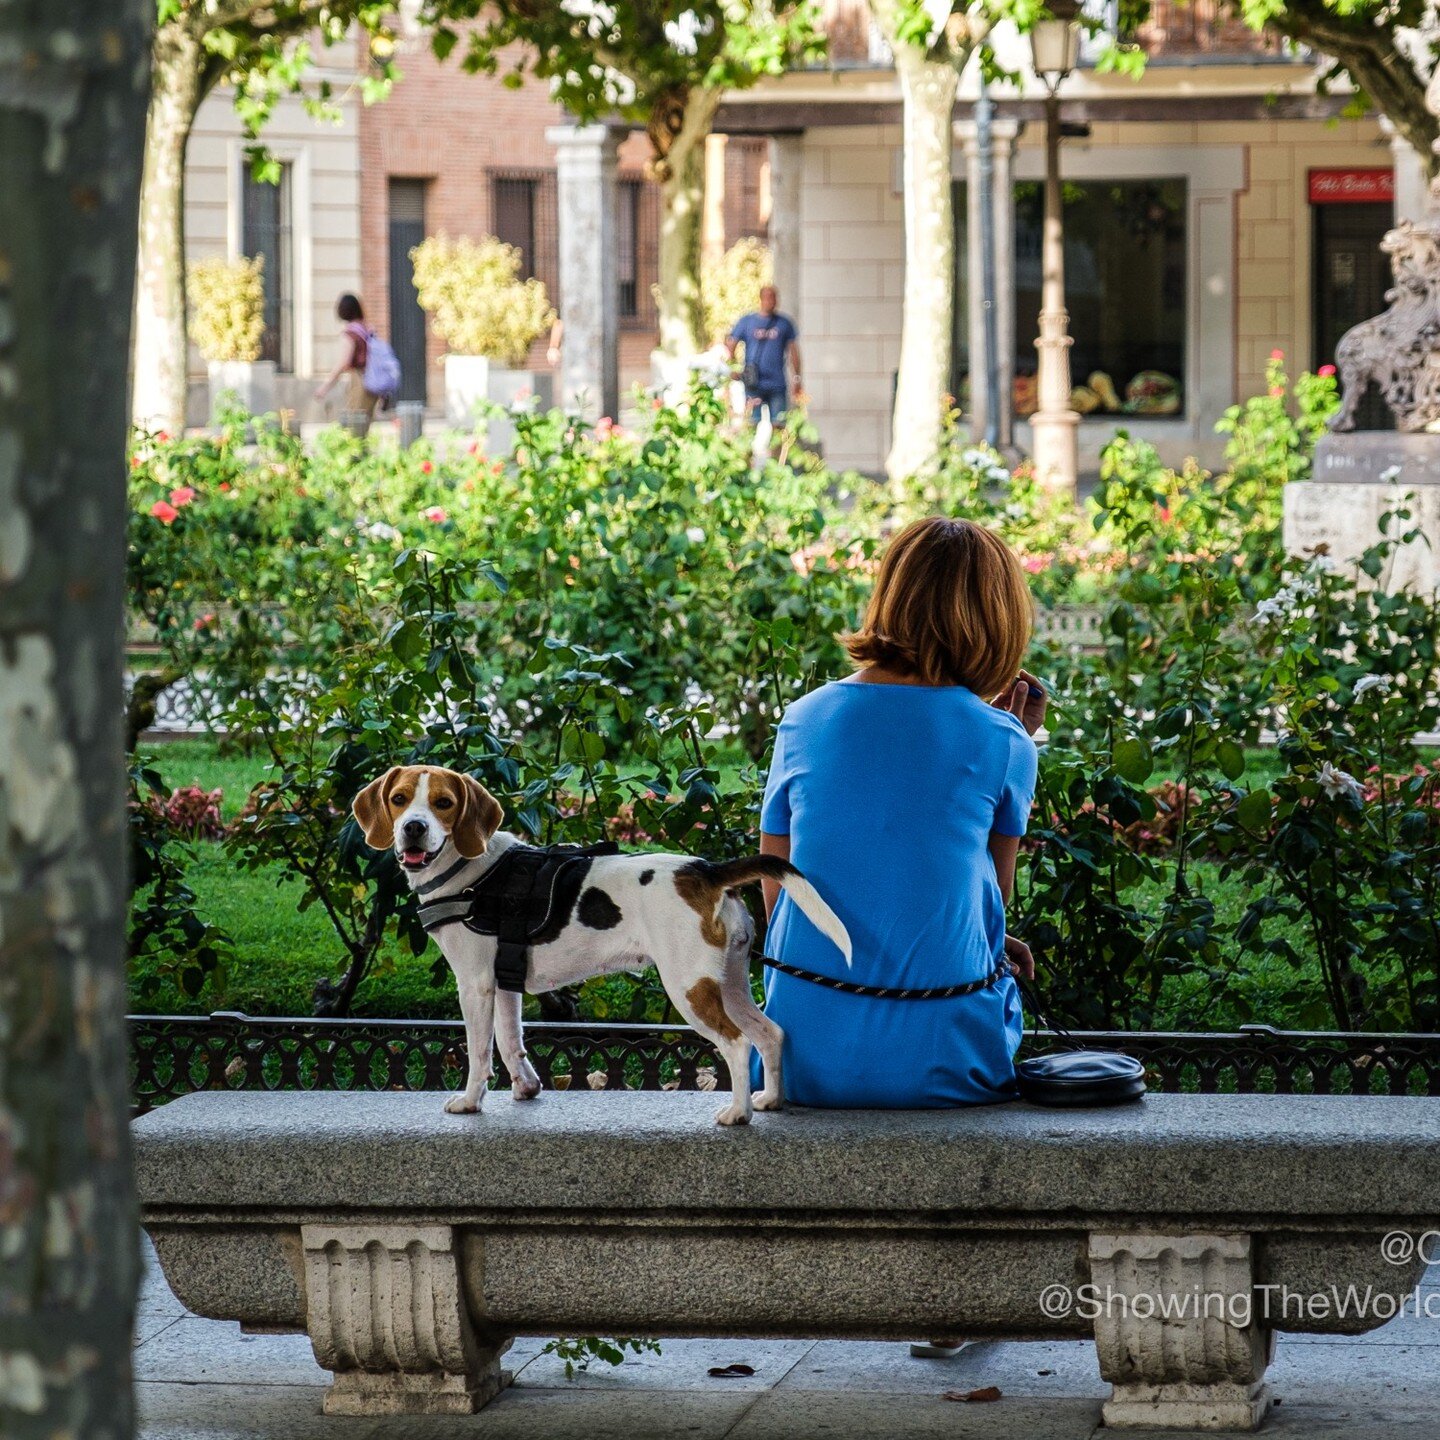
<point>175,1055</point>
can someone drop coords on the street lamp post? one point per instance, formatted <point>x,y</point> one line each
<point>1054,42</point>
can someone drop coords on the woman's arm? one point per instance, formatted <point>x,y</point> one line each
<point>348,356</point>
<point>1003,850</point>
<point>780,845</point>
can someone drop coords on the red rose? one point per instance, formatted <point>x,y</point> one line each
<point>1326,370</point>
<point>164,512</point>
<point>426,467</point>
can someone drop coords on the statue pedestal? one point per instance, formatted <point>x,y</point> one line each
<point>1352,487</point>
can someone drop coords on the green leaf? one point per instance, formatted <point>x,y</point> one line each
<point>1231,759</point>
<point>1133,760</point>
<point>1253,811</point>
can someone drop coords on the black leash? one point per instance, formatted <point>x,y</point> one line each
<point>885,992</point>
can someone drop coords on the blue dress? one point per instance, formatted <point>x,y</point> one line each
<point>890,794</point>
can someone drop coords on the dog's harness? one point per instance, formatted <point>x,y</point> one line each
<point>526,893</point>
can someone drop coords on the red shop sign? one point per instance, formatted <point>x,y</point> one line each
<point>1351,187</point>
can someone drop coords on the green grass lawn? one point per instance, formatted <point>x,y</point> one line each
<point>280,952</point>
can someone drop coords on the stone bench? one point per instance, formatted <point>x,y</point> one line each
<point>411,1245</point>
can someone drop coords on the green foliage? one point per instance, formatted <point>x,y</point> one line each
<point>638,60</point>
<point>476,300</point>
<point>599,625</point>
<point>227,307</point>
<point>167,941</point>
<point>579,1354</point>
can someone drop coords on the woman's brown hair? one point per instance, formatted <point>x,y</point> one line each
<point>950,607</point>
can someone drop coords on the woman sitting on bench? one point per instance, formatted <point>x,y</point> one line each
<point>901,793</point>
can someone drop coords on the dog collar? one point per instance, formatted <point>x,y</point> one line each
<point>450,874</point>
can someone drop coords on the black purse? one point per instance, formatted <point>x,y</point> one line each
<point>1076,1078</point>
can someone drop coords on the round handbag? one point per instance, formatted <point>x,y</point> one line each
<point>1076,1077</point>
<point>1081,1078</point>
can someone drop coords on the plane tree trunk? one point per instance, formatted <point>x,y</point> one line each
<point>74,79</point>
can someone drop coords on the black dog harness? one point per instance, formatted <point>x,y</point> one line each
<point>523,899</point>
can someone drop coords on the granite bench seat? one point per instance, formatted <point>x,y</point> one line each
<point>412,1245</point>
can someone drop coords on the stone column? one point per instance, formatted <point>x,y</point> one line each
<point>585,161</point>
<point>786,158</point>
<point>1004,134</point>
<point>712,229</point>
<point>1176,1332</point>
<point>1412,186</point>
<point>385,1310</point>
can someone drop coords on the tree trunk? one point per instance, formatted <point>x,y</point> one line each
<point>928,90</point>
<point>681,171</point>
<point>161,351</point>
<point>74,78</point>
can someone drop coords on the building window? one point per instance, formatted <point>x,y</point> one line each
<point>407,320</point>
<point>1125,289</point>
<point>637,250</point>
<point>265,230</point>
<point>524,212</point>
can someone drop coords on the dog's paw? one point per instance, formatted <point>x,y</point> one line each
<point>462,1104</point>
<point>733,1115</point>
<point>525,1087</point>
<point>761,1101</point>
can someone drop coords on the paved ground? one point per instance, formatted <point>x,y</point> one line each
<point>204,1380</point>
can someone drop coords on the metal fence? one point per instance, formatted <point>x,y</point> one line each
<point>177,1055</point>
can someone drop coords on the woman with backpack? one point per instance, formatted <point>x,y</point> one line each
<point>374,371</point>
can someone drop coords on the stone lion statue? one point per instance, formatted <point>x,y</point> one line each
<point>1397,350</point>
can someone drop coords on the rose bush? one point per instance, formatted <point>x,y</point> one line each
<point>605,627</point>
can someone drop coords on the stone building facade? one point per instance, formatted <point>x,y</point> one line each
<point>1218,209</point>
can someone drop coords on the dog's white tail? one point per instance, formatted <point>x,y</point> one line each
<point>731,873</point>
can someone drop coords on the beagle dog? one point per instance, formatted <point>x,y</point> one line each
<point>676,913</point>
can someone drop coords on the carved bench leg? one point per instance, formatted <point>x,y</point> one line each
<point>1176,1334</point>
<point>386,1314</point>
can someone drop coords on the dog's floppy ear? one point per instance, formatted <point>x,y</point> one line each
<point>372,810</point>
<point>480,817</point>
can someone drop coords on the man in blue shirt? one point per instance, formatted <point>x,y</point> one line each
<point>769,340</point>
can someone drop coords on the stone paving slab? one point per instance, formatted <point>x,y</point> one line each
<point>823,1415</point>
<point>205,1380</point>
<point>884,1367</point>
<point>681,1365</point>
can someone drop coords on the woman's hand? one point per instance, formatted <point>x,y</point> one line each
<point>1026,701</point>
<point>1017,952</point>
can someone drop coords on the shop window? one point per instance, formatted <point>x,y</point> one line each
<point>1125,289</point>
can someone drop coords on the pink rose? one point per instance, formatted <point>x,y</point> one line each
<point>436,515</point>
<point>1326,370</point>
<point>182,497</point>
<point>1277,354</point>
<point>164,512</point>
<point>426,468</point>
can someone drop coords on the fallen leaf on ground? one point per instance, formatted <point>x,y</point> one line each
<point>981,1396</point>
<point>731,1372</point>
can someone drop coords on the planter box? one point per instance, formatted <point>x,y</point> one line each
<point>471,379</point>
<point>250,383</point>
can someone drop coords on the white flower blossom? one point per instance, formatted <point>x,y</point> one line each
<point>1271,609</point>
<point>1366,683</point>
<point>695,535</point>
<point>1338,784</point>
<point>1390,475</point>
<point>381,531</point>
<point>684,32</point>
